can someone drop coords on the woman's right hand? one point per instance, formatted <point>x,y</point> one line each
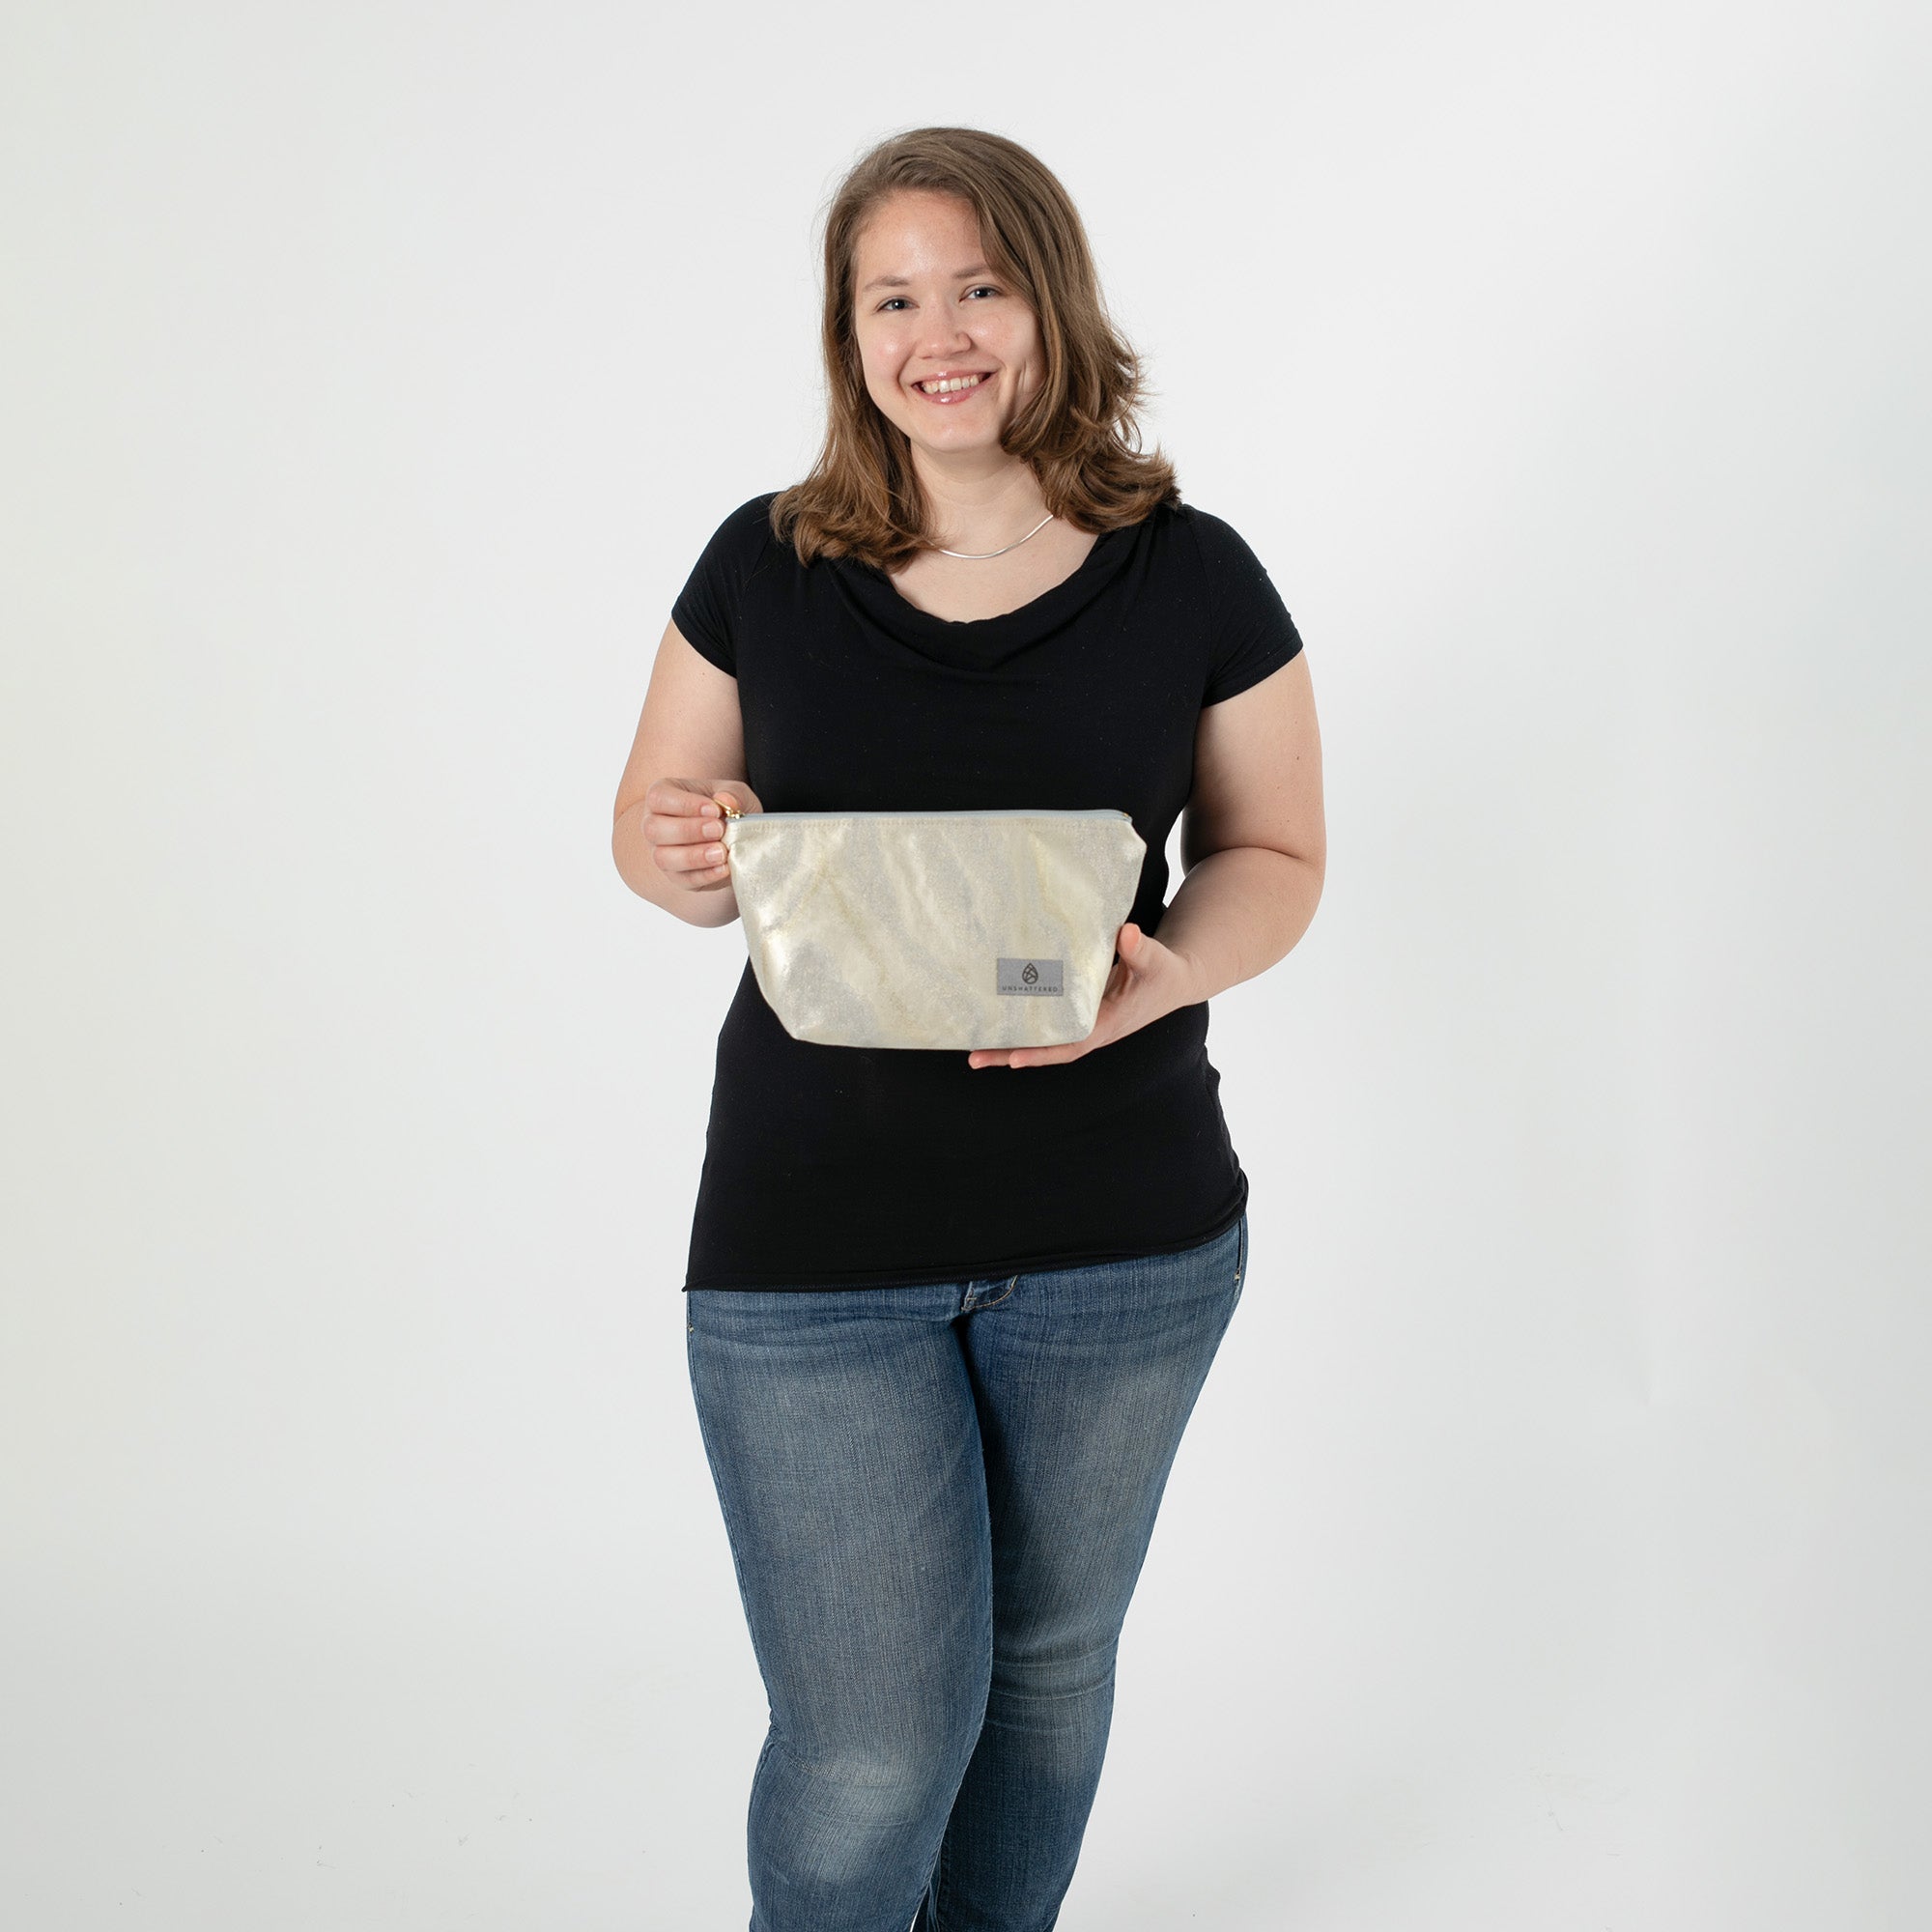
<point>682,823</point>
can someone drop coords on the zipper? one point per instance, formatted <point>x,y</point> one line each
<point>997,811</point>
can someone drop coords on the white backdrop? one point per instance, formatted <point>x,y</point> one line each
<point>1548,1549</point>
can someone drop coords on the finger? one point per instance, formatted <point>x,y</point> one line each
<point>1053,1056</point>
<point>711,858</point>
<point>673,799</point>
<point>684,852</point>
<point>693,832</point>
<point>1033,1056</point>
<point>679,819</point>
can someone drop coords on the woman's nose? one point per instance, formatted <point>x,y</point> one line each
<point>945,334</point>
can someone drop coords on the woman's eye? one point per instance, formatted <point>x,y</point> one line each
<point>985,288</point>
<point>889,302</point>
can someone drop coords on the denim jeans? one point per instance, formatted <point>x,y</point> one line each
<point>938,1499</point>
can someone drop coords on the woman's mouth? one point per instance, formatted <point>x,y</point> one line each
<point>950,389</point>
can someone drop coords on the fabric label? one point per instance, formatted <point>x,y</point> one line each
<point>1032,976</point>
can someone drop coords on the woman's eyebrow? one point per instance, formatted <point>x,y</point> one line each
<point>900,282</point>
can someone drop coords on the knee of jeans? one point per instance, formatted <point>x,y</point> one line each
<point>1071,1662</point>
<point>859,1808</point>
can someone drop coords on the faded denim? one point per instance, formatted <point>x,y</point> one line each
<point>938,1500</point>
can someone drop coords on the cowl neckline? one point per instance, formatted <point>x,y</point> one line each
<point>984,642</point>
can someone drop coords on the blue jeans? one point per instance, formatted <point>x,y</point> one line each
<point>938,1500</point>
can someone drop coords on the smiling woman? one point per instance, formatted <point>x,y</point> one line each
<point>945,1328</point>
<point>962,310</point>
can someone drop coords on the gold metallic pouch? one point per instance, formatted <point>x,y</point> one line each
<point>934,928</point>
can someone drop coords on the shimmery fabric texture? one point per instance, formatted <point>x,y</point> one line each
<point>893,929</point>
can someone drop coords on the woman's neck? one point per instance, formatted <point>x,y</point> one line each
<point>980,512</point>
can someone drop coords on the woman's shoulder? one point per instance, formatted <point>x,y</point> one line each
<point>751,517</point>
<point>743,540</point>
<point>1203,526</point>
<point>1220,549</point>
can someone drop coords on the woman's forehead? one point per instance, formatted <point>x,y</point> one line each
<point>919,223</point>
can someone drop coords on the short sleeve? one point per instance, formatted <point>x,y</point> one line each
<point>1250,633</point>
<point>707,610</point>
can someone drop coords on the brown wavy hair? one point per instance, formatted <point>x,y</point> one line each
<point>1079,429</point>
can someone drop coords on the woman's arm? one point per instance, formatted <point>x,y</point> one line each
<point>1254,848</point>
<point>1253,840</point>
<point>692,737</point>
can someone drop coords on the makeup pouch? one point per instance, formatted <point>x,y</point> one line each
<point>936,929</point>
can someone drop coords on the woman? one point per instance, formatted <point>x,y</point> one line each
<point>945,1328</point>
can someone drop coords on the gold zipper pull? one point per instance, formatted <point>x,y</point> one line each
<point>729,810</point>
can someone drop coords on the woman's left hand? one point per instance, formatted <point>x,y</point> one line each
<point>1149,980</point>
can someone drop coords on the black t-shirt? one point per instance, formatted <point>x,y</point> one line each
<point>843,1166</point>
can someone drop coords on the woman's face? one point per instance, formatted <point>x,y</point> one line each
<point>927,309</point>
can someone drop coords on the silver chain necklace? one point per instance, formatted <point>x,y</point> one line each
<point>980,556</point>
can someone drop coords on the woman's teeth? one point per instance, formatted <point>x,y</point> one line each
<point>948,385</point>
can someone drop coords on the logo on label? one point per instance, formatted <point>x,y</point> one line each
<point>1043,978</point>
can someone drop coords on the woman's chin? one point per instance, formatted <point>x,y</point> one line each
<point>978,442</point>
